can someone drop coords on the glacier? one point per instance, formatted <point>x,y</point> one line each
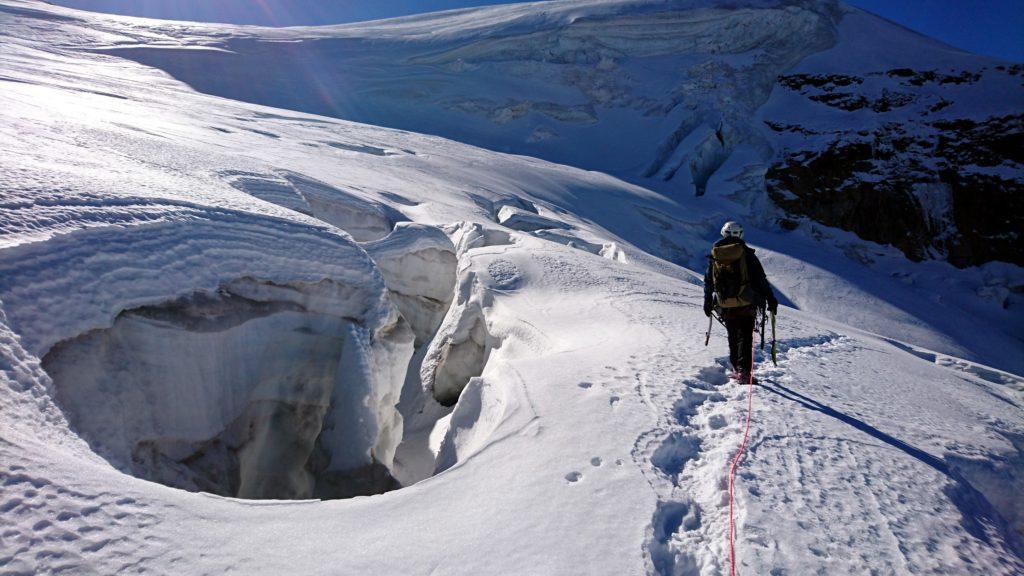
<point>434,331</point>
<point>852,113</point>
<point>775,108</point>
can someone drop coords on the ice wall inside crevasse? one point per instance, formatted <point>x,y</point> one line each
<point>231,395</point>
<point>418,264</point>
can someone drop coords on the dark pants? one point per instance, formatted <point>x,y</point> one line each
<point>740,326</point>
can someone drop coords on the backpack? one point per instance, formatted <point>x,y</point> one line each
<point>729,272</point>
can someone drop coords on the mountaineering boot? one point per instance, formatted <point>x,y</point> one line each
<point>741,378</point>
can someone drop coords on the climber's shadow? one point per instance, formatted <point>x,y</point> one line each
<point>812,404</point>
<point>976,511</point>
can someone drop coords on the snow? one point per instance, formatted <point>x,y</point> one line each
<point>524,221</point>
<point>418,263</point>
<point>681,111</point>
<point>518,343</point>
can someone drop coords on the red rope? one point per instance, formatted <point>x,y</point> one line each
<point>736,462</point>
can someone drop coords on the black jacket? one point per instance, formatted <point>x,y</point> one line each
<point>758,280</point>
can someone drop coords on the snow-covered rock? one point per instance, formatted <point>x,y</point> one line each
<point>887,123</point>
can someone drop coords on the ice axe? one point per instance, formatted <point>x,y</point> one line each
<point>711,322</point>
<point>774,360</point>
<point>763,312</point>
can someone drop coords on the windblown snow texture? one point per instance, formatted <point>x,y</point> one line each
<point>252,339</point>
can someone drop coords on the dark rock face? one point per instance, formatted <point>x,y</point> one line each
<point>949,188</point>
<point>825,82</point>
<point>989,143</point>
<point>822,187</point>
<point>988,213</point>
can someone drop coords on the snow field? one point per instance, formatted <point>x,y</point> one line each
<point>542,394</point>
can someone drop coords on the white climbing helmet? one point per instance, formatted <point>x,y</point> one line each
<point>734,229</point>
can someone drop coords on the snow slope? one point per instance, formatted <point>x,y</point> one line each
<point>717,96</point>
<point>791,110</point>
<point>590,430</point>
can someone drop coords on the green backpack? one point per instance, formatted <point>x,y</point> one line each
<point>729,272</point>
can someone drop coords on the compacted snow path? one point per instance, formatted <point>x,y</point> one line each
<point>853,456</point>
<point>821,490</point>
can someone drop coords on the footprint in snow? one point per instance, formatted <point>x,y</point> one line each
<point>573,477</point>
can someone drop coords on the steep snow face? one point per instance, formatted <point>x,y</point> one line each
<point>654,90</point>
<point>419,267</point>
<point>278,381</point>
<point>861,116</point>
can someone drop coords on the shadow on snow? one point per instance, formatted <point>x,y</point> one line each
<point>979,517</point>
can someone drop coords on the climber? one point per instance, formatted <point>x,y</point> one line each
<point>736,287</point>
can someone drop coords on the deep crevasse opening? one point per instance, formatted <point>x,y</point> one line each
<point>432,283</point>
<point>235,396</point>
<point>280,391</point>
<point>254,391</point>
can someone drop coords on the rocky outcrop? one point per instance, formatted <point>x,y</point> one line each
<point>820,187</point>
<point>949,185</point>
